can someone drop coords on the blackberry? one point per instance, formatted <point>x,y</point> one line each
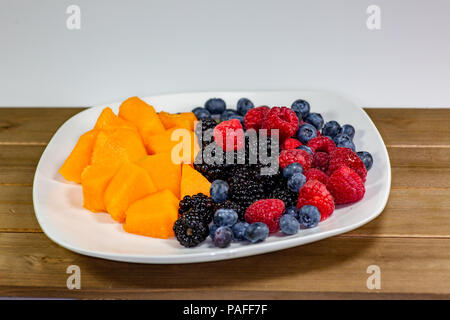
<point>212,171</point>
<point>232,205</point>
<point>288,197</point>
<point>202,126</point>
<point>241,172</point>
<point>252,149</point>
<point>199,204</point>
<point>190,230</point>
<point>245,192</point>
<point>269,181</point>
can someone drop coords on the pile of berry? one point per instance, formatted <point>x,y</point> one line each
<point>318,169</point>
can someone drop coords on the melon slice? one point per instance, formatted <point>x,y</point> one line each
<point>142,115</point>
<point>94,181</point>
<point>193,182</point>
<point>79,158</point>
<point>115,146</point>
<point>163,172</point>
<point>153,216</point>
<point>128,185</point>
<point>175,141</point>
<point>170,120</point>
<point>108,120</point>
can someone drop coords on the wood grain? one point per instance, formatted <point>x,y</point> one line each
<point>409,241</point>
<point>420,266</point>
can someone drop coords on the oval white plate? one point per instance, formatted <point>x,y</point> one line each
<point>58,203</point>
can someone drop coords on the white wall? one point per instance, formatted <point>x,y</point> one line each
<point>129,48</point>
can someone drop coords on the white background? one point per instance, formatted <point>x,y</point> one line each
<point>127,48</point>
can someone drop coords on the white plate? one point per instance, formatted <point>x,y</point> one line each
<point>58,203</point>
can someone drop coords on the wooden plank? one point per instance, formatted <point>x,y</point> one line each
<point>18,163</point>
<point>32,125</point>
<point>336,265</point>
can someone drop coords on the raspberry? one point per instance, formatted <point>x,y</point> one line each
<point>267,211</point>
<point>345,185</point>
<point>315,193</point>
<point>229,135</point>
<point>255,117</point>
<point>283,119</point>
<point>323,144</point>
<point>290,143</point>
<point>346,157</point>
<point>320,161</point>
<point>316,174</point>
<point>295,155</point>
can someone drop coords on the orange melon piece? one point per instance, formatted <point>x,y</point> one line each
<point>128,185</point>
<point>193,182</point>
<point>170,120</point>
<point>142,115</point>
<point>108,120</point>
<point>163,172</point>
<point>115,146</point>
<point>79,158</point>
<point>94,180</point>
<point>153,216</point>
<point>163,143</point>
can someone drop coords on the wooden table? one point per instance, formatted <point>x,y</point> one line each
<point>410,241</point>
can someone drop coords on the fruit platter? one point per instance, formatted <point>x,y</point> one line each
<point>197,177</point>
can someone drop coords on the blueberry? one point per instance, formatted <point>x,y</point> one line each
<point>223,237</point>
<point>316,120</point>
<point>296,182</point>
<point>219,190</point>
<point>293,211</point>
<point>201,113</point>
<point>306,148</point>
<point>257,232</point>
<point>331,129</point>
<point>348,130</point>
<point>226,115</point>
<point>225,217</point>
<point>212,231</point>
<point>289,225</point>
<point>243,105</point>
<point>291,169</point>
<point>340,138</point>
<point>215,105</point>
<point>239,117</point>
<point>347,144</point>
<point>366,158</point>
<point>309,216</point>
<point>239,230</point>
<point>301,107</point>
<point>306,132</point>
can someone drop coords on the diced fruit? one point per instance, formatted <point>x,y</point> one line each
<point>193,182</point>
<point>142,115</point>
<point>163,171</point>
<point>79,158</point>
<point>170,120</point>
<point>128,185</point>
<point>108,120</point>
<point>115,146</point>
<point>153,216</point>
<point>163,143</point>
<point>94,180</point>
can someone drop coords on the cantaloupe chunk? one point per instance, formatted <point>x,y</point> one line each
<point>117,145</point>
<point>193,182</point>
<point>142,115</point>
<point>94,181</point>
<point>173,120</point>
<point>79,158</point>
<point>163,171</point>
<point>181,143</point>
<point>153,216</point>
<point>108,120</point>
<point>128,185</point>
